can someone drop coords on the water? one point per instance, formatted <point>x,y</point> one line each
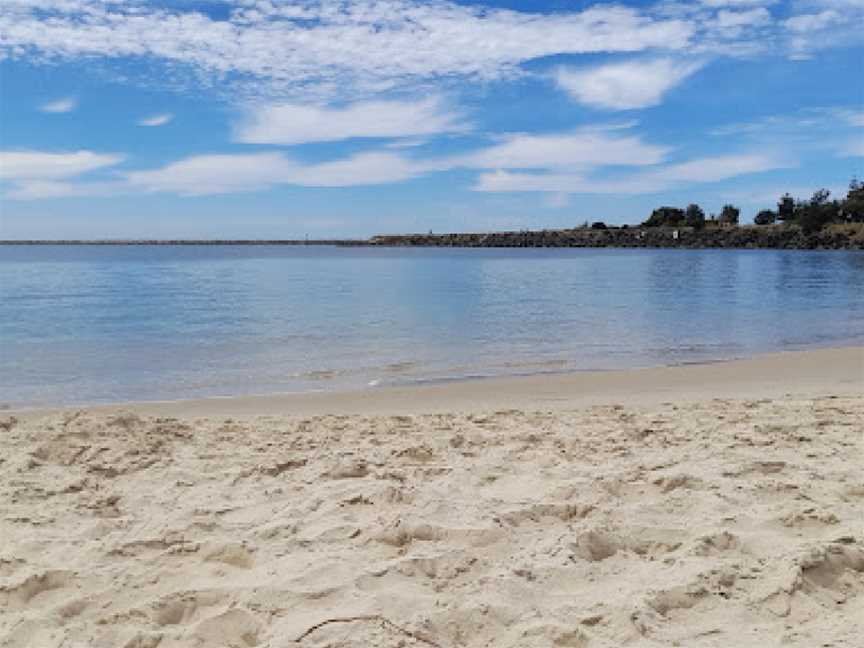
<point>104,324</point>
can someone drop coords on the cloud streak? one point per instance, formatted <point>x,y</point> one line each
<point>30,165</point>
<point>709,169</point>
<point>626,85</point>
<point>297,124</point>
<point>68,104</point>
<point>561,164</point>
<point>156,120</point>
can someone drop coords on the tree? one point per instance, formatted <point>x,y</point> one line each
<point>729,215</point>
<point>852,208</point>
<point>765,217</point>
<point>786,208</point>
<point>665,216</point>
<point>814,214</point>
<point>694,216</point>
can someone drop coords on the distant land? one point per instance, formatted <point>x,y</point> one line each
<point>848,236</point>
<point>819,223</point>
<point>185,242</point>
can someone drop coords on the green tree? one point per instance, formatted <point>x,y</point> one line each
<point>729,215</point>
<point>817,212</point>
<point>852,207</point>
<point>786,208</point>
<point>765,217</point>
<point>665,216</point>
<point>694,216</point>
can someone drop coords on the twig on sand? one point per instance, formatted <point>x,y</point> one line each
<point>368,617</point>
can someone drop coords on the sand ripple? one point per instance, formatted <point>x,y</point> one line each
<point>726,523</point>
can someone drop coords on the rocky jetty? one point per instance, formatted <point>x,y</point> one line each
<point>843,237</point>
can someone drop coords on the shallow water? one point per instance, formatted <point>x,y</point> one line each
<point>88,324</point>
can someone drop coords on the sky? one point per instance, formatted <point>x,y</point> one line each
<point>349,118</point>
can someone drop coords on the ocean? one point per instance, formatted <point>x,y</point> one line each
<point>102,324</point>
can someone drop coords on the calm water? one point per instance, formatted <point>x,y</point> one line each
<point>96,324</point>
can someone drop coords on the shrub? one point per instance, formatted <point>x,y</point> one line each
<point>729,215</point>
<point>786,208</point>
<point>694,216</point>
<point>853,207</point>
<point>765,217</point>
<point>665,216</point>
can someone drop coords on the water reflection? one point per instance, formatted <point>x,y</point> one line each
<point>101,323</point>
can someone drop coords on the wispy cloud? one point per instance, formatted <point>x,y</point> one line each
<point>701,170</point>
<point>822,24</point>
<point>626,85</point>
<point>40,165</point>
<point>586,148</point>
<point>564,163</point>
<point>804,23</point>
<point>51,189</point>
<point>325,48</point>
<point>829,129</point>
<point>233,173</point>
<point>65,105</point>
<point>320,49</point>
<point>297,124</point>
<point>156,120</point>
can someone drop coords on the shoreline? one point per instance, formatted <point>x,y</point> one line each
<point>815,372</point>
<point>833,236</point>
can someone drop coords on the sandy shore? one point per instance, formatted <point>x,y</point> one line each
<point>715,505</point>
<point>820,372</point>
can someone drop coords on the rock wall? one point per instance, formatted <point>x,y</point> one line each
<point>780,237</point>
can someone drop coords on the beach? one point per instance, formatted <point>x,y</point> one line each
<point>711,504</point>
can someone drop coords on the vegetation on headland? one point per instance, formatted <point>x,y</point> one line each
<point>810,215</point>
<point>817,223</point>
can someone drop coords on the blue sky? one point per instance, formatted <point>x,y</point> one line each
<point>261,118</point>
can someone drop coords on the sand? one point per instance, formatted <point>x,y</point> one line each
<point>710,519</point>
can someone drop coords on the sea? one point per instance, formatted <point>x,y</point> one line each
<point>106,324</point>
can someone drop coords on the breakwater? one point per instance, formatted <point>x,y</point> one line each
<point>780,237</point>
<point>843,237</point>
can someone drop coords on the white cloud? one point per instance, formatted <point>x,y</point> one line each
<point>38,165</point>
<point>232,173</point>
<point>320,47</point>
<point>737,19</point>
<point>627,85</point>
<point>51,189</point>
<point>738,3</point>
<point>156,120</point>
<point>816,130</point>
<point>804,23</point>
<point>709,169</point>
<point>823,24</point>
<point>584,148</point>
<point>65,105</point>
<point>213,174</point>
<point>559,183</point>
<point>296,124</point>
<point>363,169</point>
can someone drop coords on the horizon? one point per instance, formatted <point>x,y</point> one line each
<point>233,120</point>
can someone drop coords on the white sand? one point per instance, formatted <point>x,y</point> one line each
<point>734,522</point>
